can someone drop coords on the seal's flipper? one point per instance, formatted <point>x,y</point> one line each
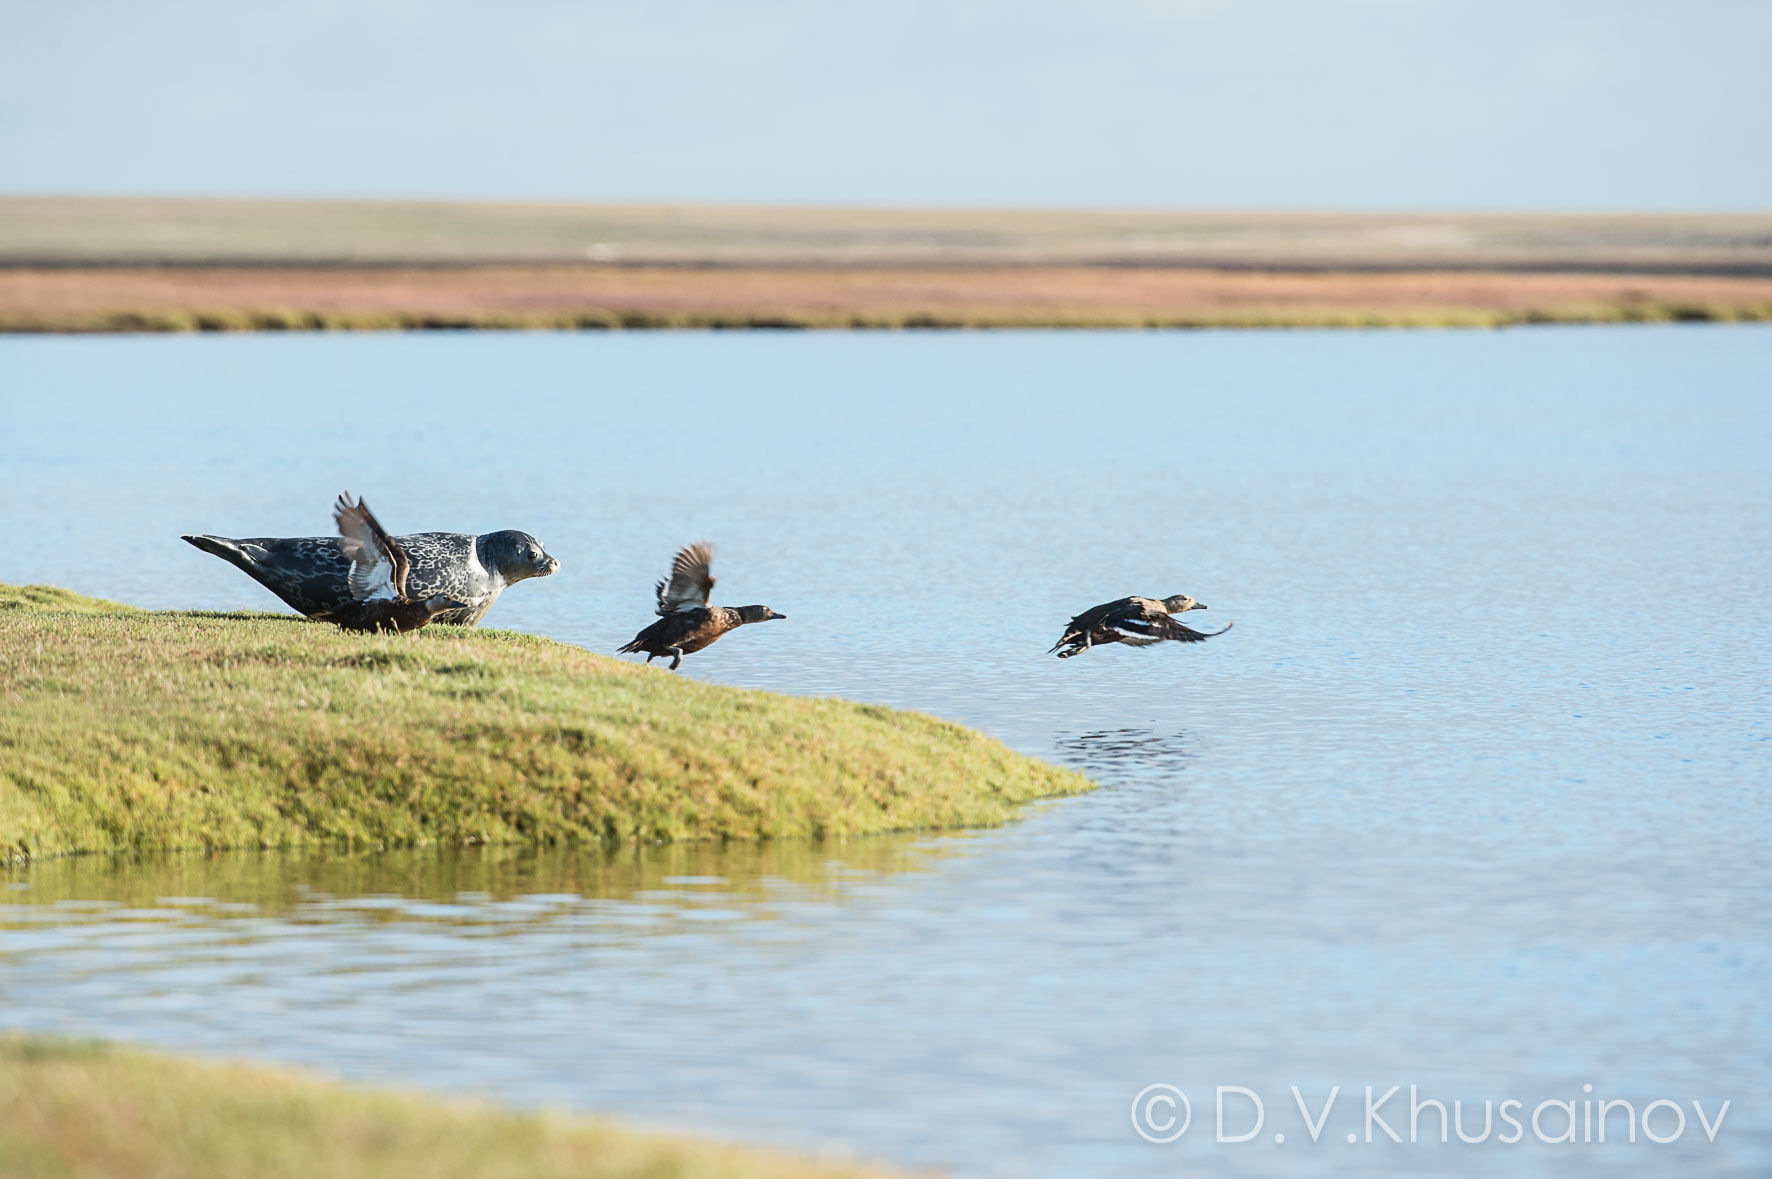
<point>307,573</point>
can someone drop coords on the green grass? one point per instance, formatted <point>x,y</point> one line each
<point>128,729</point>
<point>77,1111</point>
<point>53,597</point>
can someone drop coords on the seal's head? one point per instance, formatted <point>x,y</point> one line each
<point>515,556</point>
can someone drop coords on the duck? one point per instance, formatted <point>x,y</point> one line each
<point>686,622</point>
<point>377,578</point>
<point>1136,621</point>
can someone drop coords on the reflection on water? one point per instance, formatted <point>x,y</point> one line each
<point>1125,753</point>
<point>1462,802</point>
<point>286,883</point>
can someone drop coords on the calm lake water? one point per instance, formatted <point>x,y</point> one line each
<point>1473,797</point>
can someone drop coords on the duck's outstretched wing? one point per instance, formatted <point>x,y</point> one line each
<point>378,562</point>
<point>1165,627</point>
<point>690,582</point>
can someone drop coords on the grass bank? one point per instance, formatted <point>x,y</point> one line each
<point>85,1112</point>
<point>130,729</point>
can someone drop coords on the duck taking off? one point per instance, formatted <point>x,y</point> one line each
<point>1136,621</point>
<point>686,622</point>
<point>377,580</point>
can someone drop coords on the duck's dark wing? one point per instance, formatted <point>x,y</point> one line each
<point>1143,623</point>
<point>1089,620</point>
<point>666,633</point>
<point>1098,615</point>
<point>690,582</point>
<point>378,563</point>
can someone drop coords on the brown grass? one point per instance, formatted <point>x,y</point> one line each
<point>164,264</point>
<point>587,296</point>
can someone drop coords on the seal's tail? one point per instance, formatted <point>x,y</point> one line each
<point>220,546</point>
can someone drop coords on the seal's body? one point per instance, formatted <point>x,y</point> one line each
<point>312,573</point>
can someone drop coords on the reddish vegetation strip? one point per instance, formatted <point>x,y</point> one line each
<point>71,299</point>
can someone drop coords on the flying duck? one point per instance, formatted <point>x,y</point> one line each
<point>686,622</point>
<point>1135,621</point>
<point>377,579</point>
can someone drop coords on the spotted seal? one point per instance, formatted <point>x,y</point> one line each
<point>312,573</point>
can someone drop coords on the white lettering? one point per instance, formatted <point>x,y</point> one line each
<point>1316,1127</point>
<point>1260,1113</point>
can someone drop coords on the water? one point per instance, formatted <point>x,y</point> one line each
<point>1471,798</point>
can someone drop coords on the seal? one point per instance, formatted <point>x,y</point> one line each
<point>313,573</point>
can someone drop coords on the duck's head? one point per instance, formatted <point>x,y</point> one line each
<point>1181,604</point>
<point>442,604</point>
<point>516,556</point>
<point>757,614</point>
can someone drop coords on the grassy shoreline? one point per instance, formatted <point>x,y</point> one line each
<point>85,1110</point>
<point>161,264</point>
<point>600,298</point>
<point>138,321</point>
<point>124,729</point>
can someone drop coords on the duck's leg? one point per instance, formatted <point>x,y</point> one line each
<point>676,657</point>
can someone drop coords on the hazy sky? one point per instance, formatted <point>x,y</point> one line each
<point>1586,104</point>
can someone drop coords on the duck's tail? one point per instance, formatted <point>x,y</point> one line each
<point>1068,638</point>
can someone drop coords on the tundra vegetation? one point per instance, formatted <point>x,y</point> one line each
<point>165,264</point>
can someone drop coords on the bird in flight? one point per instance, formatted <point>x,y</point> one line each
<point>1138,622</point>
<point>686,622</point>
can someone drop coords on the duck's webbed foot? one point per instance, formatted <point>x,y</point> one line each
<point>676,654</point>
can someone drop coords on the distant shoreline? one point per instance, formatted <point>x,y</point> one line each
<point>157,264</point>
<point>191,297</point>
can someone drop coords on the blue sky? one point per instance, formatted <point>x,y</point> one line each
<point>1331,104</point>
